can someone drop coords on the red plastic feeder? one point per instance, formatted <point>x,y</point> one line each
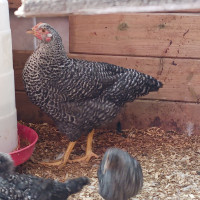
<point>27,139</point>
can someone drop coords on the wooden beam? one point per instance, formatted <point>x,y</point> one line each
<point>177,75</point>
<point>176,116</point>
<point>19,85</point>
<point>19,60</point>
<point>155,35</point>
<point>67,7</point>
<point>180,76</point>
<point>28,112</point>
<point>20,57</point>
<point>181,117</point>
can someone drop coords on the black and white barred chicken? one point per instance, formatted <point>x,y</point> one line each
<point>120,175</point>
<point>78,95</point>
<point>14,186</point>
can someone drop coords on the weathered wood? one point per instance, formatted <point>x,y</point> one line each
<point>19,85</point>
<point>177,74</point>
<point>156,35</point>
<point>176,116</point>
<point>14,3</point>
<point>20,57</point>
<point>19,60</point>
<point>181,117</point>
<point>180,76</point>
<point>27,111</point>
<point>197,10</point>
<point>66,7</point>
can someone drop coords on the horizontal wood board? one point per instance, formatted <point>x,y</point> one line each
<point>181,117</point>
<point>175,106</point>
<point>27,111</point>
<point>181,77</point>
<point>155,35</point>
<point>170,116</point>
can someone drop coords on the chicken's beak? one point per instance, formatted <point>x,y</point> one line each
<point>30,31</point>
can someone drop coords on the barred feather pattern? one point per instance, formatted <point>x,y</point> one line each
<point>80,95</point>
<point>120,175</point>
<point>28,187</point>
<point>14,186</point>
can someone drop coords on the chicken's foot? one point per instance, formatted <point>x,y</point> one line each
<point>89,154</point>
<point>65,158</point>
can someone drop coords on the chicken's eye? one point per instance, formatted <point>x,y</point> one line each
<point>43,30</point>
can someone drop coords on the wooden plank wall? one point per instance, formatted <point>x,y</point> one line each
<point>164,45</point>
<point>26,111</point>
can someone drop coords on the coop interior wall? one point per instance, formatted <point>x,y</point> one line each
<point>164,45</point>
<point>25,42</point>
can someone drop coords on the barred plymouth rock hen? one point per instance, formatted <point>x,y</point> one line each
<point>15,186</point>
<point>78,95</point>
<point>120,175</point>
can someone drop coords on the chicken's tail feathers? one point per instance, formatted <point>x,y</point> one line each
<point>149,85</point>
<point>75,185</point>
<point>154,84</point>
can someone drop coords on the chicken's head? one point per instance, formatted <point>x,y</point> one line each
<point>42,31</point>
<point>112,160</point>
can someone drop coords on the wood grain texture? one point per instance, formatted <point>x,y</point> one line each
<point>19,60</point>
<point>181,77</point>
<point>27,111</point>
<point>19,85</point>
<point>156,35</point>
<point>176,116</point>
<point>20,57</point>
<point>181,117</point>
<point>66,7</point>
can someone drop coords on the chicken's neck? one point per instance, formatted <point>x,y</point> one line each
<point>47,57</point>
<point>41,69</point>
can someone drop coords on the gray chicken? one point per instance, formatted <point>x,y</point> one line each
<point>15,186</point>
<point>120,175</point>
<point>78,95</point>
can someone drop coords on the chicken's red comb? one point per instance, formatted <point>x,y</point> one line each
<point>37,25</point>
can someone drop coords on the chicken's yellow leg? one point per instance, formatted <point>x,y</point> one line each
<point>65,158</point>
<point>89,152</point>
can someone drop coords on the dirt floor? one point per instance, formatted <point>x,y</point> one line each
<point>170,161</point>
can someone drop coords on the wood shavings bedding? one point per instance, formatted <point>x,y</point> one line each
<point>170,161</point>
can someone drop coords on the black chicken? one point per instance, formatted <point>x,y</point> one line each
<point>120,175</point>
<point>78,95</point>
<point>15,186</point>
